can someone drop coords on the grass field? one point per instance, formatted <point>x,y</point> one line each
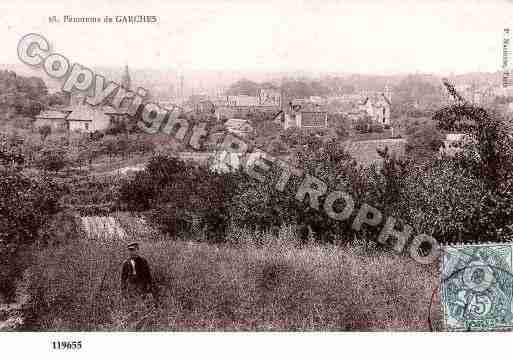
<point>364,152</point>
<point>242,285</point>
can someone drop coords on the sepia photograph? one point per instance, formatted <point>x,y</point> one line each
<point>268,167</point>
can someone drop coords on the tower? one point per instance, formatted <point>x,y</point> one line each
<point>125,80</point>
<point>506,61</point>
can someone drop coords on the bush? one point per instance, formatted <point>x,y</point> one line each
<point>487,157</point>
<point>27,204</point>
<point>138,193</point>
<point>341,131</point>
<point>423,138</point>
<point>196,199</point>
<point>277,147</point>
<point>377,128</point>
<point>52,159</point>
<point>181,197</point>
<point>114,146</point>
<point>443,200</point>
<point>261,206</point>
<point>363,125</point>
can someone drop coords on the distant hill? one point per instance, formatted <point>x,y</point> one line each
<point>165,83</point>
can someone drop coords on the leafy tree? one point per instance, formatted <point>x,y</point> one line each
<point>178,196</point>
<point>415,88</point>
<point>423,137</point>
<point>25,96</point>
<point>58,99</point>
<point>469,194</point>
<point>303,89</point>
<point>341,130</point>
<point>140,192</point>
<point>243,87</point>
<point>489,153</point>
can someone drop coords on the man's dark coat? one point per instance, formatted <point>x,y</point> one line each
<point>141,281</point>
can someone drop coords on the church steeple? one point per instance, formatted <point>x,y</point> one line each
<point>125,80</point>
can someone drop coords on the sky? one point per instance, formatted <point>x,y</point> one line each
<point>365,36</point>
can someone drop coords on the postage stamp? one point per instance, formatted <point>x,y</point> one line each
<point>477,287</point>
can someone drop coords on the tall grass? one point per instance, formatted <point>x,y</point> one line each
<point>258,281</point>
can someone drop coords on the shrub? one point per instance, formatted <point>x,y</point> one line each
<point>181,197</point>
<point>443,201</point>
<point>377,128</point>
<point>52,159</point>
<point>363,125</point>
<point>196,199</point>
<point>26,205</point>
<point>139,192</point>
<point>487,159</point>
<point>261,205</point>
<point>423,138</point>
<point>341,131</point>
<point>277,147</point>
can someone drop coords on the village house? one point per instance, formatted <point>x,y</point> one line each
<point>56,119</point>
<point>267,100</point>
<point>303,114</point>
<point>378,106</point>
<point>80,116</point>
<point>87,119</point>
<point>364,104</point>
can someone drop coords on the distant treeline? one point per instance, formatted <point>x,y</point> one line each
<point>25,96</point>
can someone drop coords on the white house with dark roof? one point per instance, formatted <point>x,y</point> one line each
<point>80,116</point>
<point>86,118</point>
<point>378,107</point>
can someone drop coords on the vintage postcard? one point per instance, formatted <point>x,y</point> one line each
<point>256,166</point>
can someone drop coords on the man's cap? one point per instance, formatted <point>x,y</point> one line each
<point>133,245</point>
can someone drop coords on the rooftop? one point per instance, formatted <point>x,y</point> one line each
<point>52,114</point>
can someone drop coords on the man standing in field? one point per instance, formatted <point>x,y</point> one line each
<point>136,278</point>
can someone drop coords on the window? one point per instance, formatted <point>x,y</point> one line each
<point>86,126</point>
